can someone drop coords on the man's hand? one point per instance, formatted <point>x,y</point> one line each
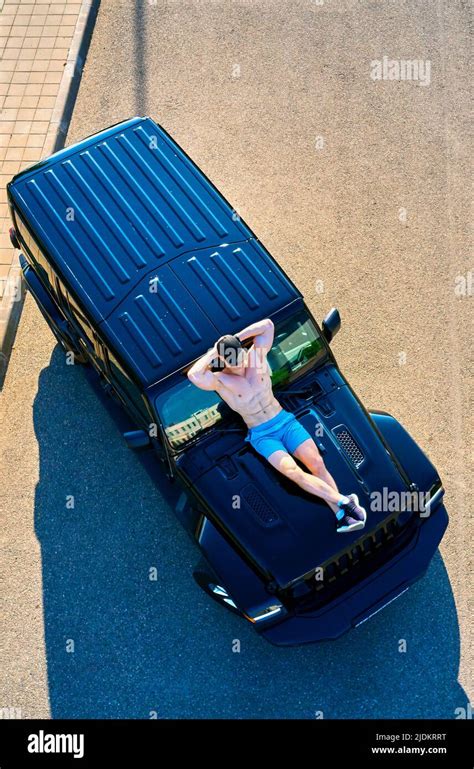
<point>262,332</point>
<point>200,374</point>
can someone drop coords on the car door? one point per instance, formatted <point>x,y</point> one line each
<point>81,325</point>
<point>128,392</point>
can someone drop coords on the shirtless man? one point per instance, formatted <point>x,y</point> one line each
<point>244,383</point>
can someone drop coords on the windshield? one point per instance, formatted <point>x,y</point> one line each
<point>186,411</point>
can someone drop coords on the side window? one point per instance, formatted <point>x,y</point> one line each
<point>32,249</point>
<point>80,320</point>
<point>61,296</point>
<point>127,388</point>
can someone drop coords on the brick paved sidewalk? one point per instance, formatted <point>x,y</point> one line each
<point>35,36</point>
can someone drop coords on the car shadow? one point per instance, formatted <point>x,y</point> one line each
<point>128,633</point>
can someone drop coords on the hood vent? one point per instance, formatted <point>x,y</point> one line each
<point>263,512</point>
<point>349,445</point>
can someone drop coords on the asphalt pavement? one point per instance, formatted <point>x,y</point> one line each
<point>358,188</point>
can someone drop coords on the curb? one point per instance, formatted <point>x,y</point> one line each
<point>11,304</point>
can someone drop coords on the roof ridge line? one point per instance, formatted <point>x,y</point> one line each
<point>168,264</point>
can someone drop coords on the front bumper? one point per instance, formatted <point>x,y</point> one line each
<point>369,596</point>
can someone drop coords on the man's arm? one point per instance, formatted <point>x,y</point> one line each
<point>262,333</point>
<point>200,374</point>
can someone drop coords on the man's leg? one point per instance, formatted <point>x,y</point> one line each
<point>308,453</point>
<point>349,516</point>
<point>285,464</point>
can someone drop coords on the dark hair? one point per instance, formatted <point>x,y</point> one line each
<point>228,347</point>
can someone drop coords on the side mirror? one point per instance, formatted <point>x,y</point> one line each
<point>137,439</point>
<point>331,324</point>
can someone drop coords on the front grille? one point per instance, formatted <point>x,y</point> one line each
<point>363,548</point>
<point>263,512</point>
<point>349,445</point>
<point>354,564</point>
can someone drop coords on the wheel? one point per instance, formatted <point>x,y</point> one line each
<point>210,584</point>
<point>13,238</point>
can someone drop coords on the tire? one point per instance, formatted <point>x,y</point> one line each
<point>13,238</point>
<point>213,587</point>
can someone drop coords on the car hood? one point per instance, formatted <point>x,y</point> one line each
<point>285,531</point>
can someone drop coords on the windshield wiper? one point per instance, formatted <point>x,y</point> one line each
<point>297,393</point>
<point>313,389</point>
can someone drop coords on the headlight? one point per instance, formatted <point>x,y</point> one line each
<point>432,497</point>
<point>265,612</point>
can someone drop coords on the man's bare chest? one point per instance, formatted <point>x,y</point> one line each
<point>246,388</point>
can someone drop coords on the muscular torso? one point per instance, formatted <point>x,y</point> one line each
<point>251,394</point>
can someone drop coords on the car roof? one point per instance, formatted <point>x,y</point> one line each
<point>155,254</point>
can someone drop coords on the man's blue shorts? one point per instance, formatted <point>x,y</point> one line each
<point>280,433</point>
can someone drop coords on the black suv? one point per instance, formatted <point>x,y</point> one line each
<point>138,264</point>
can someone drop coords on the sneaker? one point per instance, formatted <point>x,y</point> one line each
<point>346,523</point>
<point>358,511</point>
